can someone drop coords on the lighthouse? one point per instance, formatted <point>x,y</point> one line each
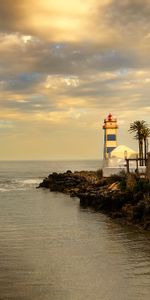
<point>110,135</point>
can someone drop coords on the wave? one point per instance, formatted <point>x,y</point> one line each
<point>18,184</point>
<point>29,181</point>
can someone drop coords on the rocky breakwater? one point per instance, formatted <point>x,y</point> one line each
<point>116,196</point>
<point>70,183</point>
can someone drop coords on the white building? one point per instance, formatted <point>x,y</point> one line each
<point>116,162</point>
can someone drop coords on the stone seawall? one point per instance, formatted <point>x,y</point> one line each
<point>103,195</point>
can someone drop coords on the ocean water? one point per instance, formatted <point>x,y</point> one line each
<point>51,249</point>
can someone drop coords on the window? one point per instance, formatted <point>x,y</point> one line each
<point>111,137</point>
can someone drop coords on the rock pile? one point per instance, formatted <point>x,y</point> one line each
<point>102,195</point>
<point>70,183</point>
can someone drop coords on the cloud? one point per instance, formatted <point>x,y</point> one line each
<point>127,12</point>
<point>64,65</point>
<point>11,14</point>
<point>130,19</point>
<point>47,19</point>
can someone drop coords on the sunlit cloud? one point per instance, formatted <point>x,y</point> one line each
<point>56,82</point>
<point>65,65</point>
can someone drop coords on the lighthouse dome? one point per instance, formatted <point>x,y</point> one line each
<point>123,152</point>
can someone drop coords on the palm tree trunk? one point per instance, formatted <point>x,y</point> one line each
<point>142,154</point>
<point>145,150</point>
<point>141,151</point>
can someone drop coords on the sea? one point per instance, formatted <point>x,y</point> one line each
<point>52,249</point>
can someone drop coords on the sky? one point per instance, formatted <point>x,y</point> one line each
<point>64,66</point>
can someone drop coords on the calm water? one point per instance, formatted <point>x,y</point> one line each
<point>52,249</point>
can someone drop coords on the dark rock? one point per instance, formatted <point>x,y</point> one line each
<point>102,195</point>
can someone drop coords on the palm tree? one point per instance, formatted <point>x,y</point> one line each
<point>146,135</point>
<point>138,128</point>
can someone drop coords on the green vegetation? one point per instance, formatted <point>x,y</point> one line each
<point>142,185</point>
<point>142,133</point>
<point>137,184</point>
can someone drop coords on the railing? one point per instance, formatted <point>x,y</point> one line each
<point>142,161</point>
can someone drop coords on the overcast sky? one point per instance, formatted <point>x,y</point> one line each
<point>64,65</point>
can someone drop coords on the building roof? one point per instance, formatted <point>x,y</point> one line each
<point>123,151</point>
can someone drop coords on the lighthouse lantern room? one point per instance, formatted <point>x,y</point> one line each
<point>110,135</point>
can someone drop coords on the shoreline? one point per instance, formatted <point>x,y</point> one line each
<point>105,195</point>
